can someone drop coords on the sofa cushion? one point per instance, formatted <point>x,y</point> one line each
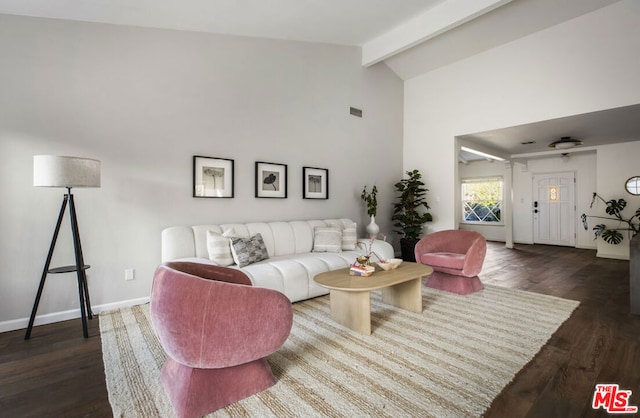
<point>327,239</point>
<point>219,247</point>
<point>293,274</point>
<point>247,251</point>
<point>443,259</point>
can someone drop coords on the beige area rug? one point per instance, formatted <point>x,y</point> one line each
<point>450,361</point>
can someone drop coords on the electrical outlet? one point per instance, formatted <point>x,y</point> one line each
<point>129,274</point>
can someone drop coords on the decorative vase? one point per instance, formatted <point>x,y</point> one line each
<point>373,229</point>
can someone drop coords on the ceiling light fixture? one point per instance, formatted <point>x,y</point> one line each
<point>565,142</point>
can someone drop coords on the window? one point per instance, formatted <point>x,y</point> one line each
<point>482,200</point>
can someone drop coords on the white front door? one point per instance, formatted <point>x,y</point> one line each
<point>554,220</point>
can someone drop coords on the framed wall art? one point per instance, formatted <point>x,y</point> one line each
<point>271,180</point>
<point>212,177</point>
<point>315,183</point>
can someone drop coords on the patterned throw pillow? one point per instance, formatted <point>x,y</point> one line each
<point>349,233</point>
<point>349,237</point>
<point>327,239</point>
<point>247,251</point>
<point>219,248</point>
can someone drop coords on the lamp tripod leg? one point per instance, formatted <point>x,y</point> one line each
<point>83,311</point>
<point>86,295</point>
<point>83,291</point>
<point>46,269</point>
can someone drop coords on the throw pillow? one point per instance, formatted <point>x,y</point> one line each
<point>327,239</point>
<point>219,248</point>
<point>250,250</point>
<point>349,233</point>
<point>349,237</point>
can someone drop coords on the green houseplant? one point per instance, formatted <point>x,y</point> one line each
<point>410,212</point>
<point>614,210</point>
<point>371,200</point>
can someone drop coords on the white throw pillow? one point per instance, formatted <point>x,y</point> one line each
<point>327,239</point>
<point>219,248</point>
<point>349,233</point>
<point>349,237</point>
<point>250,250</point>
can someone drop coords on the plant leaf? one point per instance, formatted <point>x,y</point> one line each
<point>612,236</point>
<point>584,221</point>
<point>599,229</point>
<point>614,207</point>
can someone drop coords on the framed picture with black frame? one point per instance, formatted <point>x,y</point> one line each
<point>271,180</point>
<point>212,177</point>
<point>315,183</point>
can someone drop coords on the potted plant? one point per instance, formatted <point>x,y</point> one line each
<point>614,210</point>
<point>370,199</point>
<point>410,212</point>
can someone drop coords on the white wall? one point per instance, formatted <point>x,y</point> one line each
<point>619,162</point>
<point>586,64</point>
<point>144,102</point>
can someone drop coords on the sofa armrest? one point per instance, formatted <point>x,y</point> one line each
<point>177,242</point>
<point>382,248</point>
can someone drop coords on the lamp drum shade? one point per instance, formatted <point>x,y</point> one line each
<point>61,171</point>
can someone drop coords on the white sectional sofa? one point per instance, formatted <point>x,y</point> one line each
<point>292,263</point>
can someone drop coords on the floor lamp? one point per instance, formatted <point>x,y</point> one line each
<point>67,172</point>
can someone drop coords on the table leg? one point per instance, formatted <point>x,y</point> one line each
<point>352,309</point>
<point>407,295</point>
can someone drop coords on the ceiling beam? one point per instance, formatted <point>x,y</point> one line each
<point>435,21</point>
<point>479,149</point>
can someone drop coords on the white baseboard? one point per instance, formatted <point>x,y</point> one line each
<point>602,254</point>
<point>50,318</point>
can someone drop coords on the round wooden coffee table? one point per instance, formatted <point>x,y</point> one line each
<point>350,296</point>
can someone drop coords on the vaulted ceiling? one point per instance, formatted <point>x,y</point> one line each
<point>411,36</point>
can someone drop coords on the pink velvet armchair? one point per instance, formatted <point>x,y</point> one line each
<point>456,257</point>
<point>216,329</point>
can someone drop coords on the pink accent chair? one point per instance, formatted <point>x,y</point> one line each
<point>216,329</point>
<point>456,257</point>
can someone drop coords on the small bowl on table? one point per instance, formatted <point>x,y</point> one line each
<point>390,264</point>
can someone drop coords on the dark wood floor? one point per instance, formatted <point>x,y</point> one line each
<point>57,373</point>
<point>599,343</point>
